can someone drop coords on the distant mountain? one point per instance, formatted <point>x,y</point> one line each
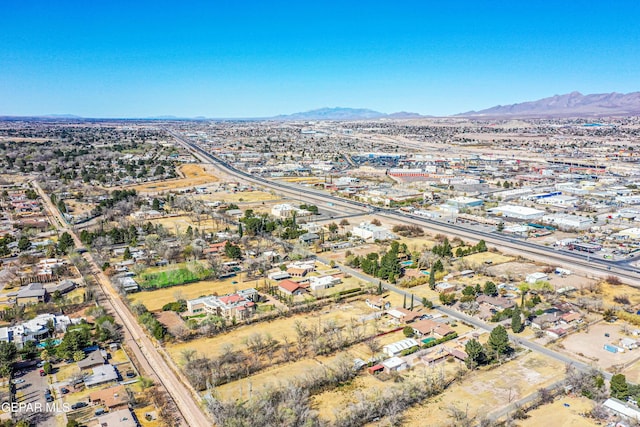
<point>573,104</point>
<point>340,113</point>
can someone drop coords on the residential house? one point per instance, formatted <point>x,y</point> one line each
<point>300,269</point>
<point>112,397</point>
<point>324,282</point>
<point>403,315</point>
<point>432,328</point>
<point>93,359</point>
<point>119,418</point>
<point>495,303</point>
<point>446,287</point>
<point>378,303</point>
<point>33,293</point>
<point>290,287</point>
<point>240,305</point>
<point>544,321</point>
<point>102,374</point>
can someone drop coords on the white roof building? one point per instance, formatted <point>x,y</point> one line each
<point>397,347</point>
<point>317,283</point>
<point>518,212</point>
<point>536,277</point>
<point>621,408</point>
<point>395,364</point>
<point>368,231</point>
<point>564,221</point>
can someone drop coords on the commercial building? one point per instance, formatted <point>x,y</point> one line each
<point>517,212</point>
<point>464,202</point>
<point>370,232</point>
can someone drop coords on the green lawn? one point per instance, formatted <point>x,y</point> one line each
<point>178,276</point>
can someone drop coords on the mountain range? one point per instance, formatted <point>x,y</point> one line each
<point>573,104</point>
<point>340,113</point>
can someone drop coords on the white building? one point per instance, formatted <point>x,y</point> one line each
<point>398,347</point>
<point>285,210</point>
<point>536,277</point>
<point>564,221</point>
<point>395,364</point>
<point>318,283</point>
<point>518,212</point>
<point>35,329</point>
<point>559,200</point>
<point>368,231</point>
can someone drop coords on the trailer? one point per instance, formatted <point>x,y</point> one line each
<point>611,348</point>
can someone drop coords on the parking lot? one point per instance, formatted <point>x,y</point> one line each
<point>30,395</point>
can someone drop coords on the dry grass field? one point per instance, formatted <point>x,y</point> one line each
<point>154,300</point>
<point>182,222</point>
<point>341,314</point>
<point>557,414</point>
<point>588,346</point>
<point>486,391</point>
<point>238,197</point>
<point>194,175</point>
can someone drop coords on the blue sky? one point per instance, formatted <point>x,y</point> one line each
<point>115,58</point>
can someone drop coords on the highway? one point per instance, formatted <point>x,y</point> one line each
<point>148,356</point>
<point>585,263</point>
<point>525,248</point>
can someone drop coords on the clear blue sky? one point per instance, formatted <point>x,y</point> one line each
<point>111,58</point>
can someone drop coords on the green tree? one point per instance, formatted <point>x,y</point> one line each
<point>516,320</point>
<point>47,368</point>
<point>499,340</point>
<point>407,331</point>
<point>65,242</point>
<point>78,355</point>
<point>155,205</point>
<point>127,253</point>
<point>619,387</point>
<point>24,243</point>
<point>232,251</point>
<point>475,353</point>
<point>490,288</point>
<point>8,352</point>
<point>500,227</point>
<point>432,278</point>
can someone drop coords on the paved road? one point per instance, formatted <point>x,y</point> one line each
<point>477,323</point>
<point>150,357</point>
<point>575,261</point>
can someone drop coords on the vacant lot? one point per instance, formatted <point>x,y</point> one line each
<point>155,299</point>
<point>195,175</point>
<point>485,391</point>
<point>558,414</point>
<point>588,346</point>
<point>237,197</point>
<point>341,314</point>
<point>515,271</point>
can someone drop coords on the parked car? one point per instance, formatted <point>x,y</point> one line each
<point>79,405</point>
<point>64,390</point>
<point>130,374</point>
<point>48,398</point>
<point>42,373</point>
<point>17,381</point>
<point>41,364</point>
<point>99,412</point>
